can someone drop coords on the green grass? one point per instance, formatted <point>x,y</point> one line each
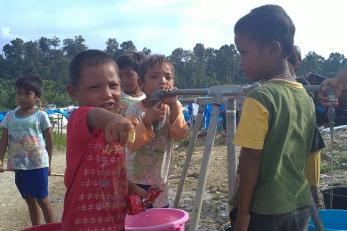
<point>343,158</point>
<point>324,168</point>
<point>59,141</point>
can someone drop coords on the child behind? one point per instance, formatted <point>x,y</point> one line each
<point>95,176</point>
<point>24,132</point>
<point>276,128</point>
<point>156,125</point>
<point>129,65</point>
<point>312,167</point>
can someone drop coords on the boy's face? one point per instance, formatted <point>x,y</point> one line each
<point>26,99</point>
<point>255,60</point>
<point>98,86</point>
<point>158,77</point>
<point>129,80</point>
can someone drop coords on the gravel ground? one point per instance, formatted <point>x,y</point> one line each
<point>14,215</point>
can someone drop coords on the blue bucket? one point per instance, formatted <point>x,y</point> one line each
<point>332,219</point>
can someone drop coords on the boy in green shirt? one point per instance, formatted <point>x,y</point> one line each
<point>276,128</point>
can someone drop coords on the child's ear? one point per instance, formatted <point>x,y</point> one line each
<point>38,100</point>
<point>71,91</point>
<point>276,49</point>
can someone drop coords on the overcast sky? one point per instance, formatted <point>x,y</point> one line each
<point>163,25</point>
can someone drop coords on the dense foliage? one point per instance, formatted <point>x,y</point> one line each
<point>196,68</point>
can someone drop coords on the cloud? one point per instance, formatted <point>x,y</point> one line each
<point>163,25</point>
<point>5,35</point>
<point>5,32</point>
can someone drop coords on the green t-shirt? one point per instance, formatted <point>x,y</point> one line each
<point>288,114</point>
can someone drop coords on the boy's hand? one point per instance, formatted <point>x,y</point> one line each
<point>117,130</point>
<point>242,221</point>
<point>335,85</point>
<point>153,114</point>
<point>169,100</point>
<point>135,189</point>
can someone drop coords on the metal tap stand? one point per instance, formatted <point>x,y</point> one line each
<point>204,165</point>
<point>230,107</point>
<point>202,102</point>
<point>231,117</point>
<point>331,117</point>
<point>219,95</point>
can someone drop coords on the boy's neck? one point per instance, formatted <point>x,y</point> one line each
<point>281,72</point>
<point>137,93</point>
<point>25,111</point>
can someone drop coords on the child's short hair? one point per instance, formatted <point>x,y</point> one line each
<point>268,23</point>
<point>152,60</point>
<point>131,60</point>
<point>30,83</point>
<point>88,58</point>
<point>295,55</point>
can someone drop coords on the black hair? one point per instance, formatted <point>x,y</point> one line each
<point>30,83</point>
<point>295,55</point>
<point>131,60</point>
<point>152,60</point>
<point>302,80</point>
<point>88,58</point>
<point>266,24</point>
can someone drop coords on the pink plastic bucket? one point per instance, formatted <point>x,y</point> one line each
<point>158,219</point>
<point>150,220</point>
<point>45,227</point>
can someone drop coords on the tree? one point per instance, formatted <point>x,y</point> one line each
<point>45,45</point>
<point>32,54</point>
<point>225,64</point>
<point>179,58</point>
<point>312,63</point>
<point>15,49</point>
<point>112,47</point>
<point>197,68</point>
<point>72,47</point>
<point>146,51</point>
<point>55,42</point>
<point>127,46</point>
<point>334,64</point>
<point>199,52</point>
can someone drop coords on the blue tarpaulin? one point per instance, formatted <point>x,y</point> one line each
<point>2,115</point>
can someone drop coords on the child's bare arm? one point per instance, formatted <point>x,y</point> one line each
<point>3,146</point>
<point>174,105</point>
<point>178,126</point>
<point>249,166</point>
<point>142,135</point>
<point>48,134</point>
<point>174,111</point>
<point>153,114</point>
<point>116,126</point>
<point>337,83</point>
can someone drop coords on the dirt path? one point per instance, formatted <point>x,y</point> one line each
<point>14,214</point>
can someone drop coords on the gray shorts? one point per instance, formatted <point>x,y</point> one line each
<point>296,220</point>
